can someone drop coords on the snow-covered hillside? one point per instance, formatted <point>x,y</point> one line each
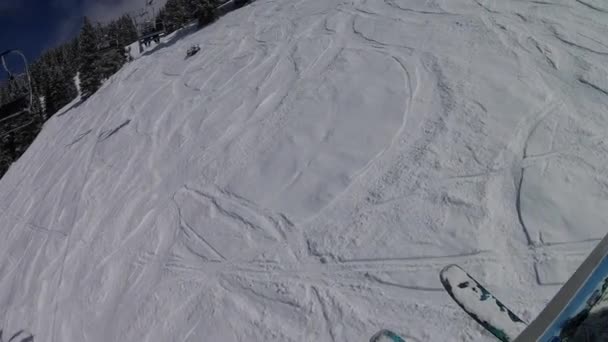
<point>306,175</point>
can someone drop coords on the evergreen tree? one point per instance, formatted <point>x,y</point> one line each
<point>61,89</point>
<point>90,78</point>
<point>3,95</point>
<point>110,62</point>
<point>72,54</point>
<point>175,14</point>
<point>40,77</point>
<point>113,55</point>
<point>36,71</point>
<point>128,31</point>
<point>204,11</point>
<point>159,21</point>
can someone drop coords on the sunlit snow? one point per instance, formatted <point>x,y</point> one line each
<point>309,172</point>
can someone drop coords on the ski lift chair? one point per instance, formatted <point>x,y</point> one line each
<point>21,104</point>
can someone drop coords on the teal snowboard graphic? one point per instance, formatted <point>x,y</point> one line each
<point>480,304</point>
<point>386,336</point>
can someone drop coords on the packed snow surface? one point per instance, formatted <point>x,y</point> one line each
<point>309,172</point>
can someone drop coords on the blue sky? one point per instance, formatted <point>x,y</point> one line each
<point>35,25</point>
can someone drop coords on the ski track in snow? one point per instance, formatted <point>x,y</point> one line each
<point>308,173</point>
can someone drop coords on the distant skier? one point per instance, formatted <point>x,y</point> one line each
<point>193,50</point>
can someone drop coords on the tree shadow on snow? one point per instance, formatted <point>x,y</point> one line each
<point>19,336</point>
<point>67,110</point>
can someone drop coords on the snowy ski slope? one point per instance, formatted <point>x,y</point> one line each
<point>307,174</point>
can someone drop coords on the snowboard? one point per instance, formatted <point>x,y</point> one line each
<point>386,336</point>
<point>476,301</point>
<point>578,312</point>
<point>480,304</point>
